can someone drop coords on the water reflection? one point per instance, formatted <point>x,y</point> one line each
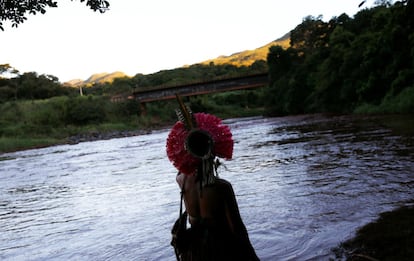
<point>303,183</point>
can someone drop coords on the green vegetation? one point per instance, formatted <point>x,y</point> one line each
<point>37,123</point>
<point>389,238</point>
<point>363,64</point>
<point>13,144</point>
<point>26,124</point>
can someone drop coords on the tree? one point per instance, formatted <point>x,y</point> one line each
<point>7,70</point>
<point>310,35</point>
<point>286,73</point>
<point>85,110</point>
<point>30,85</point>
<point>7,88</point>
<point>17,10</point>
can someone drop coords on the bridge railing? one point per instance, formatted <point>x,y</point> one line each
<point>237,83</point>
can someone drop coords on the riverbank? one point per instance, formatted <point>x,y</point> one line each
<point>17,144</point>
<point>389,238</point>
<point>27,125</point>
<point>332,192</point>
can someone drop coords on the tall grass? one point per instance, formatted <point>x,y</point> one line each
<point>402,103</point>
<point>28,124</point>
<point>13,144</point>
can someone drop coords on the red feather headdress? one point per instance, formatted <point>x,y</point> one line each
<point>178,152</point>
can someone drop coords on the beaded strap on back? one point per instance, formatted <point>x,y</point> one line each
<point>182,195</point>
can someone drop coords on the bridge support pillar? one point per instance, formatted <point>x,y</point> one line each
<point>143,108</point>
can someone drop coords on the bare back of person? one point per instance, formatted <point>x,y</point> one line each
<point>207,203</point>
<point>213,208</point>
<point>217,231</point>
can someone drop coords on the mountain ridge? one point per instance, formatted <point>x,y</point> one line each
<point>242,58</point>
<point>248,57</point>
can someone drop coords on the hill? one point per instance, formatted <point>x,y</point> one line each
<point>104,77</point>
<point>244,58</point>
<point>248,57</point>
<point>96,78</point>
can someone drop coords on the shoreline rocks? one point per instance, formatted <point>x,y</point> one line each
<point>96,135</point>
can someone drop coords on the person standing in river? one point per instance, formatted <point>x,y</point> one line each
<point>217,231</point>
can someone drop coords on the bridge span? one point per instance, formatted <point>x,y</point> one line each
<point>229,84</point>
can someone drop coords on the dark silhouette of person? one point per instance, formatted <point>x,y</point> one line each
<point>217,231</point>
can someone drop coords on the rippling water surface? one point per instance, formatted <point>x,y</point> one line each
<point>304,184</point>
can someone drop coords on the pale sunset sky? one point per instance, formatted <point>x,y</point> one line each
<point>146,36</point>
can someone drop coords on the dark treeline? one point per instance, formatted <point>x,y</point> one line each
<point>31,86</point>
<point>167,78</point>
<point>37,110</point>
<point>95,106</point>
<point>363,64</point>
<point>360,64</point>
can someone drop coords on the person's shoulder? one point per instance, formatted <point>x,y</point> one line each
<point>224,187</point>
<point>223,182</point>
<point>183,178</point>
<point>180,179</point>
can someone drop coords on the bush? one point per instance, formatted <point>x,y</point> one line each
<point>390,237</point>
<point>402,103</point>
<point>123,110</point>
<point>85,110</point>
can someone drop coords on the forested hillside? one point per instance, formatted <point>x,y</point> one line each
<point>363,64</point>
<point>96,78</point>
<point>360,64</point>
<point>248,57</point>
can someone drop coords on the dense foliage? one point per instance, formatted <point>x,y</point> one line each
<point>389,238</point>
<point>17,10</point>
<point>359,64</point>
<point>167,78</point>
<point>38,110</point>
<point>30,86</point>
<point>365,63</point>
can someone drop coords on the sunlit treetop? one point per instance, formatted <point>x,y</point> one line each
<point>16,11</point>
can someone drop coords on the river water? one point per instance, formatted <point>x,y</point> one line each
<point>304,184</point>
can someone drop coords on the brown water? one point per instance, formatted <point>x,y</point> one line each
<point>304,184</point>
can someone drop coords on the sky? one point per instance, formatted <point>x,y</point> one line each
<point>147,36</point>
